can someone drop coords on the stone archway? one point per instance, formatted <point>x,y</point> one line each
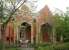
<point>45,31</point>
<point>25,31</point>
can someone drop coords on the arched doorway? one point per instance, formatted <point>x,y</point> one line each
<point>45,31</point>
<point>25,31</point>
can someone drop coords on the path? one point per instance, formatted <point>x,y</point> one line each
<point>27,48</point>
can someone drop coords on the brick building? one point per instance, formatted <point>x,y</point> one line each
<point>24,27</point>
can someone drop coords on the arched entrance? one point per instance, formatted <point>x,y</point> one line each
<point>25,31</point>
<point>45,31</point>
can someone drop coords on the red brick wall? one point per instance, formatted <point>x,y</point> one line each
<point>9,33</point>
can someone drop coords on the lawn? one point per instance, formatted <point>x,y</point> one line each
<point>59,46</point>
<point>12,48</point>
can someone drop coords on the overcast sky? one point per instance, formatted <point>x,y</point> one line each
<point>52,4</point>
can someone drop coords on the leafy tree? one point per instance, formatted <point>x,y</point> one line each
<point>58,25</point>
<point>61,24</point>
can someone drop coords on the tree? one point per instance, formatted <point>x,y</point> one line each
<point>61,24</point>
<point>7,10</point>
<point>58,22</point>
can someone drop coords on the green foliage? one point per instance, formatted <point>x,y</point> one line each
<point>61,24</point>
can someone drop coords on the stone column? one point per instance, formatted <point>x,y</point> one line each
<point>32,33</point>
<point>40,35</point>
<point>37,32</point>
<point>17,33</point>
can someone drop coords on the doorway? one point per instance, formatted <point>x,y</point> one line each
<point>25,31</point>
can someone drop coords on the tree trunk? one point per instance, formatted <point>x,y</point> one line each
<point>3,28</point>
<point>54,35</point>
<point>61,38</point>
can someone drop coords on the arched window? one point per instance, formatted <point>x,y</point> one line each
<point>45,30</point>
<point>25,31</point>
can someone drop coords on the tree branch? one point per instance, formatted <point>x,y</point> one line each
<point>15,9</point>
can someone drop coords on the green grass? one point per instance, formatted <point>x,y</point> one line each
<point>11,49</point>
<point>59,46</point>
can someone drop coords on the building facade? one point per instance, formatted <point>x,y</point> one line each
<point>24,27</point>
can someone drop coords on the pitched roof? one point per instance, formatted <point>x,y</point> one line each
<point>45,15</point>
<point>45,11</point>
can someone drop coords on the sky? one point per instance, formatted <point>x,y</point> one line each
<point>52,4</point>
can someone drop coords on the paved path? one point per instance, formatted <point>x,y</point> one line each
<point>27,48</point>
